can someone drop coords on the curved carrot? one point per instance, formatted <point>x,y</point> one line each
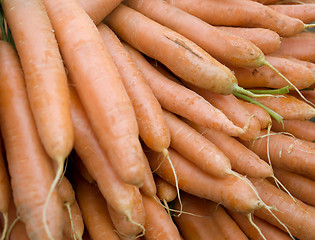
<point>152,126</point>
<point>30,168</point>
<point>193,180</point>
<point>304,12</point>
<point>172,96</point>
<point>100,88</point>
<point>165,191</point>
<point>241,13</point>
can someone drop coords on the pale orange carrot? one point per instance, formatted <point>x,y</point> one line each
<point>304,12</point>
<point>165,191</point>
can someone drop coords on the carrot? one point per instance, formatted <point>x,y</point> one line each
<point>158,224</point>
<point>266,1</point>
<point>98,9</point>
<point>198,224</point>
<point>30,168</point>
<point>304,12</point>
<point>298,217</point>
<point>243,53</point>
<point>196,148</point>
<point>299,186</point>
<point>94,212</point>
<point>183,57</point>
<point>299,75</point>
<point>193,180</point>
<point>165,191</point>
<point>269,231</point>
<point>99,86</point>
<point>300,46</point>
<point>309,94</point>
<point>66,191</point>
<point>74,225</point>
<point>120,195</point>
<point>299,128</point>
<point>241,13</point>
<point>260,113</point>
<point>152,126</point>
<point>172,96</point>
<point>266,40</point>
<point>286,152</point>
<point>242,159</point>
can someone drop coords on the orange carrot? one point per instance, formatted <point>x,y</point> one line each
<point>304,12</point>
<point>193,180</point>
<point>308,94</point>
<point>243,160</point>
<point>98,9</point>
<point>266,40</point>
<point>74,225</point>
<point>183,57</point>
<point>241,13</point>
<point>299,75</point>
<point>242,52</point>
<point>30,168</point>
<point>299,186</point>
<point>200,226</point>
<point>152,126</point>
<point>299,128</point>
<point>172,96</point>
<point>269,231</point>
<point>66,191</point>
<point>94,211</point>
<point>117,193</point>
<point>196,148</point>
<point>298,217</point>
<point>93,72</point>
<point>158,224</point>
<point>165,191</point>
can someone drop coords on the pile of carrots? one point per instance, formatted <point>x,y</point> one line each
<point>157,119</point>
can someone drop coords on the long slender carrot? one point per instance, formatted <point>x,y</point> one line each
<point>196,148</point>
<point>304,12</point>
<point>243,160</point>
<point>241,13</point>
<point>30,168</point>
<point>99,86</point>
<point>99,9</point>
<point>266,40</point>
<point>297,216</point>
<point>172,96</point>
<point>152,126</point>
<point>193,180</point>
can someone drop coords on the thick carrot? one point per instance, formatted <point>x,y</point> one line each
<point>158,224</point>
<point>45,76</point>
<point>30,168</point>
<point>196,148</point>
<point>94,212</point>
<point>266,40</point>
<point>198,224</point>
<point>286,152</point>
<point>193,180</point>
<point>263,76</point>
<point>117,193</point>
<point>99,9</point>
<point>260,113</point>
<point>93,72</point>
<point>165,191</point>
<point>217,43</point>
<point>172,96</point>
<point>152,126</point>
<point>302,129</point>
<point>300,46</point>
<point>297,216</point>
<point>304,12</point>
<point>243,160</point>
<point>299,186</point>
<point>183,57</point>
<point>269,231</point>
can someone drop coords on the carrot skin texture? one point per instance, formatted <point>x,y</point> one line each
<point>242,52</point>
<point>196,108</point>
<point>165,191</point>
<point>152,126</point>
<point>77,221</point>
<point>199,183</point>
<point>112,118</point>
<point>200,68</point>
<point>30,168</point>
<point>5,187</point>
<point>44,73</point>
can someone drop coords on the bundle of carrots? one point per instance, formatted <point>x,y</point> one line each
<point>157,119</point>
